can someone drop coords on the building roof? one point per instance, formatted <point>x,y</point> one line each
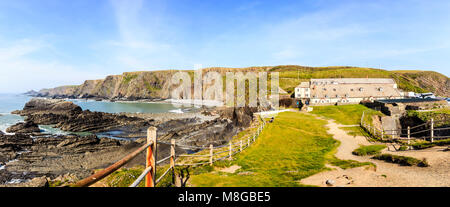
<point>352,81</point>
<point>353,91</point>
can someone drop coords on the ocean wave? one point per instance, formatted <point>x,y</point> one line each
<point>178,111</point>
<point>16,181</point>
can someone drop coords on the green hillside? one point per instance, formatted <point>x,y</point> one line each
<point>156,84</point>
<point>416,81</point>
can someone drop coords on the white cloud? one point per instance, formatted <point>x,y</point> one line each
<point>21,72</point>
<point>144,36</point>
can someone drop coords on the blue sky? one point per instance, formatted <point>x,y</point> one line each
<point>47,43</point>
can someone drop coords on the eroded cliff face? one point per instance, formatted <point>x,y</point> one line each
<point>128,86</point>
<point>132,85</point>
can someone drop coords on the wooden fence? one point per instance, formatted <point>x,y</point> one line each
<point>213,154</point>
<point>425,131</point>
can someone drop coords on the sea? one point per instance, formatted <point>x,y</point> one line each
<point>12,102</point>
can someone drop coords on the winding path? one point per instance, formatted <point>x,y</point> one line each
<point>386,174</point>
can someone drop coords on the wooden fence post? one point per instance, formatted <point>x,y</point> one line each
<point>229,153</point>
<point>211,154</point>
<point>240,149</point>
<point>150,178</point>
<point>432,130</point>
<point>382,134</point>
<point>362,117</point>
<point>248,142</point>
<point>409,135</point>
<point>172,159</point>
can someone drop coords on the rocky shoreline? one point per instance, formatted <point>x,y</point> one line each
<point>30,154</point>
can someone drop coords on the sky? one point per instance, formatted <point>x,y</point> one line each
<point>48,43</point>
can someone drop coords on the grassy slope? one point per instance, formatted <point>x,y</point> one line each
<point>345,114</point>
<point>294,146</point>
<point>440,116</point>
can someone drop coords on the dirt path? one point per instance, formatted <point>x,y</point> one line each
<point>386,174</point>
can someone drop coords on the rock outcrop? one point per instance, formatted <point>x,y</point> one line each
<point>10,145</point>
<point>55,155</point>
<point>68,116</point>
<point>25,158</point>
<point>39,182</point>
<point>128,86</point>
<point>24,127</point>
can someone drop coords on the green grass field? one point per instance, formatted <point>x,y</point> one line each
<point>295,146</point>
<point>346,114</point>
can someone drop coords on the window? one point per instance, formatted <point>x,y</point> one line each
<point>324,89</point>
<point>361,89</point>
<point>337,96</point>
<point>326,96</point>
<point>351,89</point>
<point>334,89</point>
<point>380,89</point>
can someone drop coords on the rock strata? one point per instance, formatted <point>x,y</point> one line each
<point>23,157</point>
<point>67,116</point>
<point>24,127</point>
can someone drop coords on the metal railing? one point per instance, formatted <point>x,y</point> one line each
<point>149,173</point>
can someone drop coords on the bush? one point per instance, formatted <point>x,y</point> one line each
<point>402,160</point>
<point>368,150</point>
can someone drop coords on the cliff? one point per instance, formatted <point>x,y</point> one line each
<point>156,84</point>
<point>128,86</point>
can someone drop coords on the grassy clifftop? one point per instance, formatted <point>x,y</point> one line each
<point>155,84</point>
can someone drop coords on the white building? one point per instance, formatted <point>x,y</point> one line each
<point>346,90</point>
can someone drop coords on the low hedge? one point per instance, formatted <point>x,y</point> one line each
<point>402,160</point>
<point>424,145</point>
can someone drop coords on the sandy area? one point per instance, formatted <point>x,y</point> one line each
<point>386,174</point>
